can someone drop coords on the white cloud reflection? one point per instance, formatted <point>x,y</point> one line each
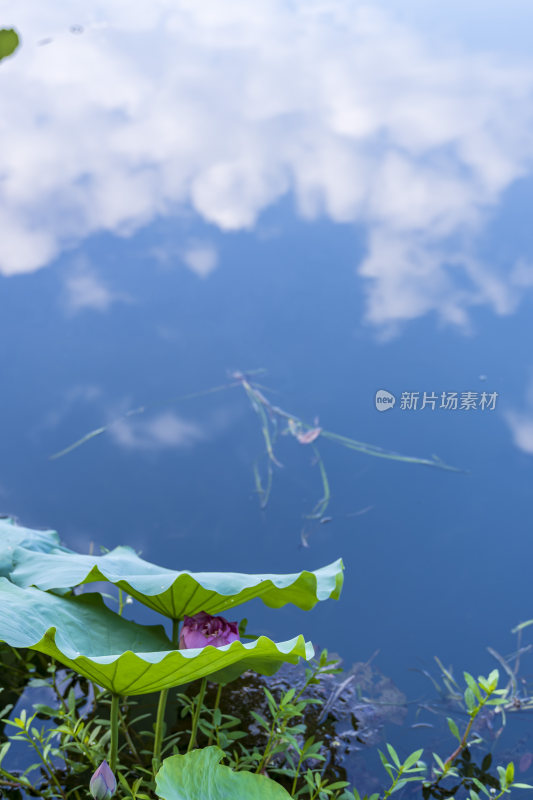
<point>521,425</point>
<point>166,430</point>
<point>227,106</point>
<point>201,258</point>
<point>520,422</point>
<point>85,289</point>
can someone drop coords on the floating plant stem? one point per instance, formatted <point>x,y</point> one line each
<point>270,416</point>
<point>322,504</point>
<point>379,452</point>
<point>263,492</point>
<point>133,412</point>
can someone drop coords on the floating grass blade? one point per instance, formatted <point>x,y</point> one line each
<point>378,452</point>
<point>133,412</point>
<point>269,416</point>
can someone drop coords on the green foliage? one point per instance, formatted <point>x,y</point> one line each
<point>278,757</point>
<point>13,536</point>
<point>401,773</point>
<point>199,776</point>
<point>9,41</point>
<point>477,695</point>
<point>125,657</point>
<point>281,746</point>
<point>169,592</point>
<point>70,738</point>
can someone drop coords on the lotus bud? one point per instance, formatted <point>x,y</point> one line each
<point>103,784</point>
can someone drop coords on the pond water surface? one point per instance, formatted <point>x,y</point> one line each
<point>334,192</point>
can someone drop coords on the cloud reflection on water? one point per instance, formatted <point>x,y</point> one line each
<point>85,289</point>
<point>228,107</point>
<point>166,430</point>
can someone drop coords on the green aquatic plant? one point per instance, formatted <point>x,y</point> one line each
<point>125,657</point>
<point>478,694</point>
<point>39,611</point>
<point>200,776</point>
<point>293,760</point>
<point>516,695</point>
<point>108,664</point>
<point>275,421</point>
<point>9,42</point>
<point>173,593</point>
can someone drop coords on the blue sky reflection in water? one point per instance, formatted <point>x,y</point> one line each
<point>327,191</point>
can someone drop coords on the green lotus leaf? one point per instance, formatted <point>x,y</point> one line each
<point>170,592</point>
<point>9,41</point>
<point>123,656</point>
<point>13,536</point>
<point>199,776</point>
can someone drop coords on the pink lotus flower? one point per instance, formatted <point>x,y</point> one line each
<point>103,784</point>
<point>204,629</point>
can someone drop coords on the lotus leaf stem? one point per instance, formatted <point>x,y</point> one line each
<point>196,717</point>
<point>161,707</point>
<point>113,744</point>
<point>215,707</point>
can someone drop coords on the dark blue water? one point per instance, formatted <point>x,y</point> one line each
<point>421,284</point>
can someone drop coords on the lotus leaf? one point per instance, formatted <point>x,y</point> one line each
<point>13,536</point>
<point>199,776</point>
<point>123,656</point>
<point>170,592</point>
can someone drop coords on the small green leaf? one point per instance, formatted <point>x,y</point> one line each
<point>487,761</point>
<point>124,783</point>
<point>470,700</point>
<point>9,41</point>
<point>453,728</point>
<point>470,681</point>
<point>509,773</point>
<point>493,678</point>
<point>386,764</point>
<point>439,761</point>
<point>3,750</point>
<point>398,786</point>
<point>412,759</point>
<point>393,754</point>
<point>481,786</point>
